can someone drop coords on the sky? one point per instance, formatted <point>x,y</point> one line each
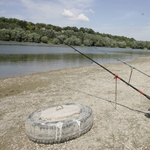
<point>129,18</point>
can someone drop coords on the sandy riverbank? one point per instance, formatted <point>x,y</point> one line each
<point>123,128</point>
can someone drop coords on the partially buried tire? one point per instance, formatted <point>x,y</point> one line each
<point>58,123</point>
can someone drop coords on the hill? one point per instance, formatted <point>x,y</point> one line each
<point>12,29</point>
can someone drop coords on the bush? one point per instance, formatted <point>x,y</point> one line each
<point>5,34</point>
<point>50,33</point>
<point>30,38</point>
<point>134,45</point>
<point>62,38</point>
<point>18,34</point>
<point>86,42</point>
<point>44,39</point>
<point>56,41</point>
<point>121,44</point>
<point>73,41</point>
<point>36,38</point>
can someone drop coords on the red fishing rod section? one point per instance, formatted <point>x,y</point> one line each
<point>116,76</point>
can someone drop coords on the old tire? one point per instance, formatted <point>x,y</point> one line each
<point>47,132</point>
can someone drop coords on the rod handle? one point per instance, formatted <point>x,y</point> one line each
<point>147,96</point>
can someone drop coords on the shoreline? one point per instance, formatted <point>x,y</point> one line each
<point>70,68</point>
<point>82,45</point>
<point>11,91</point>
<point>125,127</point>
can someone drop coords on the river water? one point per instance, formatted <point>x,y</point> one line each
<point>17,59</point>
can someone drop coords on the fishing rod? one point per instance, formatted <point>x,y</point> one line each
<point>116,76</point>
<point>124,63</point>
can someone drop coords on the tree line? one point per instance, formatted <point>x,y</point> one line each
<point>22,31</point>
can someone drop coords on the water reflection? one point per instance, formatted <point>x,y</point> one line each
<point>72,58</point>
<point>22,59</point>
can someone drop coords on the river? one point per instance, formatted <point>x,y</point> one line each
<point>17,59</point>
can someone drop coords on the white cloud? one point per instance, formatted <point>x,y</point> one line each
<point>82,17</point>
<point>77,3</point>
<point>71,16</point>
<point>67,13</point>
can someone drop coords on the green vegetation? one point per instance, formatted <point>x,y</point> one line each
<point>22,31</point>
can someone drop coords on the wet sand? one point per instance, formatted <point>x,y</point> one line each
<point>125,127</point>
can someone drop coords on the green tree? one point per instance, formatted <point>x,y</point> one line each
<point>69,33</point>
<point>56,41</point>
<point>121,44</point>
<point>75,29</point>
<point>28,26</point>
<point>147,44</point>
<point>41,25</point>
<point>62,38</point>
<point>50,33</point>
<point>44,39</point>
<point>67,28</point>
<point>57,28</point>
<point>140,44</point>
<point>113,43</point>
<point>49,26</point>
<point>90,31</point>
<point>134,45</point>
<point>99,43</point>
<point>13,35</point>
<point>30,37</point>
<point>128,43</point>
<point>42,32</point>
<point>82,30</point>
<point>57,34</point>
<point>5,34</point>
<point>36,38</point>
<point>88,39</point>
<point>18,36</point>
<point>2,25</point>
<point>87,42</point>
<point>80,35</point>
<point>23,36</point>
<point>73,41</point>
<point>106,42</point>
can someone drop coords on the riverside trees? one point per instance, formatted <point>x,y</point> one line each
<point>23,31</point>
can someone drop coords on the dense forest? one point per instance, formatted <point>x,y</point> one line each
<point>22,31</point>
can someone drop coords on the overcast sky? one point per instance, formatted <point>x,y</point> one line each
<point>130,18</point>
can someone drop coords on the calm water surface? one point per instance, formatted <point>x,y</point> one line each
<point>17,59</point>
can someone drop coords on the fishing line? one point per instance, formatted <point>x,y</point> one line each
<point>148,97</point>
<point>124,63</point>
<point>120,60</point>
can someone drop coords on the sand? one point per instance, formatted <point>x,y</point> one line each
<point>125,127</point>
